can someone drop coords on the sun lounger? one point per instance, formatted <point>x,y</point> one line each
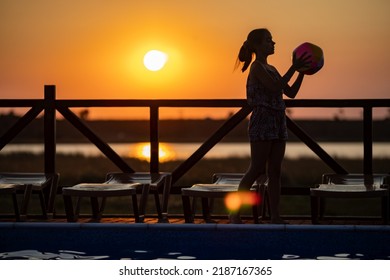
<point>10,189</point>
<point>223,184</point>
<point>349,186</point>
<point>121,184</point>
<point>45,185</point>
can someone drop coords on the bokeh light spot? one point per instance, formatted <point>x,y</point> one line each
<point>234,201</point>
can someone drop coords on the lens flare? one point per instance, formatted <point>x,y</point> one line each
<point>234,201</point>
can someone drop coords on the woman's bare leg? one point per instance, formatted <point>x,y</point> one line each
<point>259,153</point>
<point>274,178</point>
<point>257,167</point>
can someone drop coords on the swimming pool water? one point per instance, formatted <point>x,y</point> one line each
<point>215,242</point>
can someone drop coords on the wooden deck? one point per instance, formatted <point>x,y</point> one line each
<point>198,220</point>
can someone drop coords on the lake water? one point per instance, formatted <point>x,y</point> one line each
<point>170,151</point>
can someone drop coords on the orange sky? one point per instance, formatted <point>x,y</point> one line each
<point>94,48</point>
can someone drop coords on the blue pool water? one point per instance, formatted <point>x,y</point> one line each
<point>169,241</point>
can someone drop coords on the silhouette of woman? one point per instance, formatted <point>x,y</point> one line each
<point>267,129</point>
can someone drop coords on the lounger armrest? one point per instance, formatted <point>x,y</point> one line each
<point>221,175</point>
<point>163,179</point>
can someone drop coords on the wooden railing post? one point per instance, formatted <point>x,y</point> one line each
<point>50,128</point>
<point>154,141</point>
<point>367,140</point>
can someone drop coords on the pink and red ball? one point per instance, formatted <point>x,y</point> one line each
<point>316,57</point>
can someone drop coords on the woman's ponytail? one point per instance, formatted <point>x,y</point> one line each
<point>247,50</point>
<point>245,55</point>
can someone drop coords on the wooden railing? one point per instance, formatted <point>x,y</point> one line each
<point>50,106</point>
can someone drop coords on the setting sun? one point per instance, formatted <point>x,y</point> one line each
<point>155,60</point>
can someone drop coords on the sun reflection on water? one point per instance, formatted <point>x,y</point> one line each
<point>142,151</point>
